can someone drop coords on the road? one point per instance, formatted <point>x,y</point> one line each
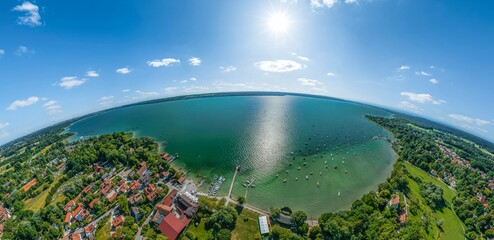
<point>94,222</point>
<point>139,230</point>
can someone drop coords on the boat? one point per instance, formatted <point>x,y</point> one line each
<point>317,184</point>
<point>346,171</point>
<point>277,175</point>
<point>339,194</point>
<point>325,162</point>
<point>298,168</point>
<point>305,163</point>
<point>245,185</point>
<point>320,173</point>
<point>286,171</point>
<point>311,173</point>
<point>284,180</point>
<point>306,177</point>
<point>296,179</point>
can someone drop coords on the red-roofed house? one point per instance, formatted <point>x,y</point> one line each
<point>150,192</point>
<point>168,200</point>
<point>92,203</point>
<point>161,211</point>
<point>142,170</point>
<point>135,199</point>
<point>171,226</point>
<point>117,221</point>
<point>395,201</point>
<point>134,185</point>
<point>68,217</point>
<point>29,184</point>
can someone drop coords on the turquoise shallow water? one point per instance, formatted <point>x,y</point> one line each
<point>214,134</point>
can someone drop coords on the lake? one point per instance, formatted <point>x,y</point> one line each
<point>271,137</point>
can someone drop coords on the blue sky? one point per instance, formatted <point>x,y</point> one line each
<point>432,58</point>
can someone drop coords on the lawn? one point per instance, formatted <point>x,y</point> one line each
<point>199,231</point>
<point>104,232</point>
<point>247,226</point>
<point>452,227</point>
<point>38,202</point>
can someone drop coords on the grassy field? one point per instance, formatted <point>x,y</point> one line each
<point>104,232</point>
<point>38,202</point>
<point>452,227</point>
<point>4,169</point>
<point>199,230</point>
<point>247,226</point>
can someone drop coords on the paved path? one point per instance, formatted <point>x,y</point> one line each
<point>233,181</point>
<point>139,230</point>
<point>94,222</point>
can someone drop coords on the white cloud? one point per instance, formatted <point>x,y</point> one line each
<point>23,103</point>
<point>351,1</point>
<point>23,50</point>
<point>432,67</point>
<point>163,62</point>
<point>52,107</point>
<point>126,90</point>
<point>31,14</point>
<point>124,70</point>
<point>170,89</point>
<point>71,82</point>
<point>471,120</point>
<point>322,3</point>
<point>228,68</point>
<point>330,74</point>
<point>279,66</point>
<point>193,79</point>
<point>422,98</point>
<point>106,100</point>
<point>141,94</point>
<point>92,74</point>
<point>434,81</point>
<point>4,125</point>
<point>3,134</point>
<point>409,106</point>
<point>2,52</point>
<point>309,82</point>
<point>184,81</point>
<point>422,73</point>
<point>404,67</point>
<point>196,89</point>
<point>303,58</point>
<point>195,61</point>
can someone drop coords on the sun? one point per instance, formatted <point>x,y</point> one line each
<point>278,23</point>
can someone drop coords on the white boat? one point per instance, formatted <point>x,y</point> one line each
<point>339,194</point>
<point>306,177</point>
<point>284,180</point>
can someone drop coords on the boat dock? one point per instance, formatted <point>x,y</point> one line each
<point>237,169</point>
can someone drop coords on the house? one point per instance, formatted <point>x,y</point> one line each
<point>135,199</point>
<point>106,186</point>
<point>142,170</point>
<point>60,165</point>
<point>76,212</point>
<point>171,226</point>
<point>135,185</point>
<point>89,230</point>
<point>135,212</point>
<point>403,217</point>
<point>28,185</point>
<point>263,225</point>
<point>395,201</point>
<point>92,203</point>
<point>187,203</point>
<point>123,188</point>
<point>88,188</point>
<point>168,200</point>
<point>150,192</point>
<point>68,218</point>
<point>117,221</point>
<point>181,180</point>
<point>4,213</point>
<point>83,215</point>
<point>161,211</point>
<point>111,196</point>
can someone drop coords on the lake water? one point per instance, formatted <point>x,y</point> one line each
<point>214,134</point>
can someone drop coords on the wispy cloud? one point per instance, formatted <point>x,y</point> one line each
<point>170,89</point>
<point>124,70</point>
<point>71,82</point>
<point>309,82</point>
<point>303,58</point>
<point>322,3</point>
<point>166,62</point>
<point>141,94</point>
<point>331,74</point>
<point>106,100</point>
<point>422,98</point>
<point>422,73</point>
<point>470,120</point>
<point>126,90</point>
<point>195,61</point>
<point>434,81</point>
<point>2,52</point>
<point>92,74</point>
<point>23,103</point>
<point>409,106</point>
<point>403,68</point>
<point>52,107</point>
<point>4,125</point>
<point>31,14</point>
<point>23,50</point>
<point>279,66</point>
<point>228,68</point>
